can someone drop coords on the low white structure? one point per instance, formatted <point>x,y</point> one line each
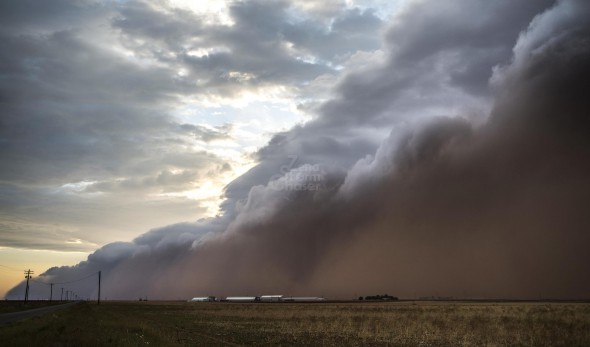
<point>202,299</point>
<point>271,298</point>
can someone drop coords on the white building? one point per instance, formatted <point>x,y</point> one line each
<point>271,298</point>
<point>202,299</point>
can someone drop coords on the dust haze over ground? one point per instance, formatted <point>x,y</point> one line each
<point>475,203</point>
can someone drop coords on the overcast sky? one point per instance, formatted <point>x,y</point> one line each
<point>302,139</point>
<point>122,116</point>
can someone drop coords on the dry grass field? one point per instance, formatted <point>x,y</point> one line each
<point>15,306</point>
<point>318,324</point>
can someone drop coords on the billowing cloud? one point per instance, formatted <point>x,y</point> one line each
<point>416,177</point>
<point>123,106</point>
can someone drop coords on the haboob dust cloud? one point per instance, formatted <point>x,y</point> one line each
<point>456,200</point>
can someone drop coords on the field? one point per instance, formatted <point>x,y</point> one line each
<point>15,306</point>
<point>297,324</point>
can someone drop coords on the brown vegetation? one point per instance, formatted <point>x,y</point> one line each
<point>7,306</point>
<point>324,324</point>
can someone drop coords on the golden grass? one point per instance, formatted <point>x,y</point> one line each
<point>318,324</point>
<point>424,324</point>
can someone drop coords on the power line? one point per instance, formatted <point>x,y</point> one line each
<point>9,268</point>
<point>72,281</point>
<point>68,292</point>
<point>6,271</point>
<point>32,280</point>
<point>79,279</point>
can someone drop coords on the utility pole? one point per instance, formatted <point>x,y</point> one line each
<point>61,298</point>
<point>99,288</point>
<point>51,292</point>
<point>27,276</point>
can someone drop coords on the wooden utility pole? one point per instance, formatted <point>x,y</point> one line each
<point>51,292</point>
<point>99,288</point>
<point>27,276</point>
<point>61,298</point>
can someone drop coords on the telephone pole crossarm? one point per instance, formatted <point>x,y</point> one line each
<point>28,277</point>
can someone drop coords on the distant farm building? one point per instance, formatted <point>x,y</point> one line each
<point>271,298</point>
<point>262,298</point>
<point>203,299</point>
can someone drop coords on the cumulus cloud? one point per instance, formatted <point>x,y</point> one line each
<point>92,91</point>
<point>207,134</point>
<point>471,192</point>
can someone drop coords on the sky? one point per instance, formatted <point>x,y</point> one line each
<point>317,148</point>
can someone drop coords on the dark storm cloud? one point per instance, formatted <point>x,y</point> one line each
<point>300,145</point>
<point>441,207</point>
<point>77,108</point>
<point>206,134</point>
<point>352,28</point>
<point>416,80</point>
<point>32,16</point>
<point>491,212</point>
<point>435,47</point>
<point>170,27</point>
<point>88,105</point>
<point>253,51</point>
<point>86,95</point>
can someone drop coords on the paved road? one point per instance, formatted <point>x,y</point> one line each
<point>16,316</point>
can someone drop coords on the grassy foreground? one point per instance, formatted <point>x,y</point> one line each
<point>319,324</point>
<point>15,306</point>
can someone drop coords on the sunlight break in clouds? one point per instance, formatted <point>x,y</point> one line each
<point>214,11</point>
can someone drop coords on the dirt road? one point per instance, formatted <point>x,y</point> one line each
<point>16,316</point>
